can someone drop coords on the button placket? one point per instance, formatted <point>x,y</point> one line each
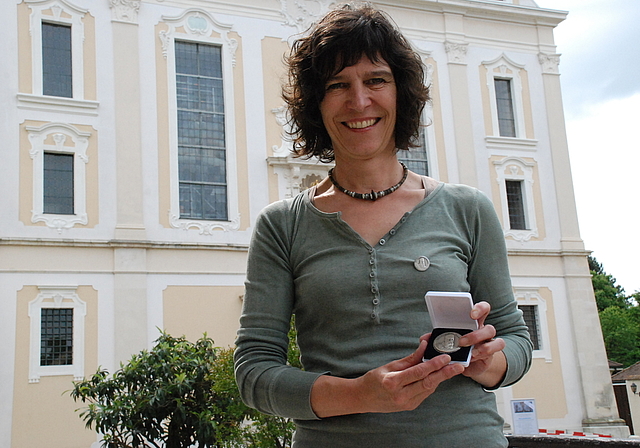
<point>373,278</point>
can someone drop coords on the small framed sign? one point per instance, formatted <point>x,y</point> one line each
<point>525,420</point>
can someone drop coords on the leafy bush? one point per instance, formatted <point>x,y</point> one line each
<point>179,394</point>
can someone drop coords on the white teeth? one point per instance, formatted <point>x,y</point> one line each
<point>361,124</point>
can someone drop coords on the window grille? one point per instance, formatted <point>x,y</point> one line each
<point>504,100</point>
<point>201,137</point>
<point>416,158</point>
<point>530,315</point>
<point>515,202</point>
<point>56,337</point>
<point>56,60</point>
<point>58,183</point>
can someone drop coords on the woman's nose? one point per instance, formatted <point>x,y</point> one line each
<point>359,97</point>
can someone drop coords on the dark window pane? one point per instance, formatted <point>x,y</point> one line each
<point>56,60</point>
<point>56,336</point>
<point>515,202</point>
<point>530,315</point>
<point>416,158</point>
<point>504,99</point>
<point>201,135</point>
<point>58,184</point>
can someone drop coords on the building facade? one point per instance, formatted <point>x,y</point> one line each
<point>142,138</point>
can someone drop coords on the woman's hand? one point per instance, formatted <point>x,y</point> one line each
<point>488,363</point>
<point>398,386</point>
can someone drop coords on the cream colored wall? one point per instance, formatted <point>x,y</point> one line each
<point>241,150</point>
<point>25,68</point>
<point>43,413</point>
<point>203,260</point>
<point>437,125</point>
<point>89,56</point>
<point>526,104</point>
<point>164,154</point>
<point>274,72</point>
<point>194,310</point>
<point>544,381</point>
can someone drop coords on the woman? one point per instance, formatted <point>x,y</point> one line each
<point>353,257</point>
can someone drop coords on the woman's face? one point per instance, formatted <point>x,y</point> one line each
<point>359,110</point>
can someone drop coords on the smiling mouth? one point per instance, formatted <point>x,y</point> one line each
<point>361,124</point>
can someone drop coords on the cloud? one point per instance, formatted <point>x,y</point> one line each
<point>599,46</point>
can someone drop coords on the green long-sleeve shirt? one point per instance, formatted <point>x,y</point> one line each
<point>358,307</point>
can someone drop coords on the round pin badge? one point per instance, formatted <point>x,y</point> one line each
<point>422,263</point>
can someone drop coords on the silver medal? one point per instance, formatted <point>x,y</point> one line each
<point>447,342</point>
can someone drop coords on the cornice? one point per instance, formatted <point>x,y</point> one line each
<point>119,244</point>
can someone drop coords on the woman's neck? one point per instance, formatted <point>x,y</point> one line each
<point>363,176</point>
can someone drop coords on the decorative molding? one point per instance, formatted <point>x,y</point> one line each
<point>77,145</point>
<point>66,14</point>
<point>456,52</point>
<point>61,296</point>
<point>531,296</point>
<point>511,144</point>
<point>286,145</point>
<point>302,14</point>
<point>515,168</point>
<point>205,227</point>
<point>504,67</point>
<point>550,63</point>
<point>198,25</point>
<point>57,104</point>
<point>124,10</point>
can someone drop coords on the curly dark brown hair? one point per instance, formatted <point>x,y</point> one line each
<point>340,40</point>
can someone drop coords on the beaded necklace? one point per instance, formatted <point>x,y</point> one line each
<point>374,194</point>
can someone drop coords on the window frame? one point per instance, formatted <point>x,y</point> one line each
<point>506,69</point>
<point>64,14</point>
<point>57,297</point>
<point>198,26</point>
<point>45,203</point>
<point>531,296</point>
<point>517,169</point>
<point>64,139</point>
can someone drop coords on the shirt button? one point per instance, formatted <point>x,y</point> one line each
<point>371,261</point>
<point>382,241</point>
<point>376,301</point>
<point>372,274</point>
<point>392,232</point>
<point>373,315</point>
<point>374,289</point>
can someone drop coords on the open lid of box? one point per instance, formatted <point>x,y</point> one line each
<point>450,310</point>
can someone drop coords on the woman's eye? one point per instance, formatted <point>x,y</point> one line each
<point>376,81</point>
<point>336,86</point>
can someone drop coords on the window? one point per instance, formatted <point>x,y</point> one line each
<point>515,204</point>
<point>56,60</point>
<point>534,312</point>
<point>201,136</point>
<point>59,155</point>
<point>201,146</point>
<point>58,34</point>
<point>56,333</point>
<point>530,315</point>
<point>515,181</point>
<point>504,104</point>
<point>56,343</point>
<point>416,158</point>
<point>58,183</point>
<point>508,100</point>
